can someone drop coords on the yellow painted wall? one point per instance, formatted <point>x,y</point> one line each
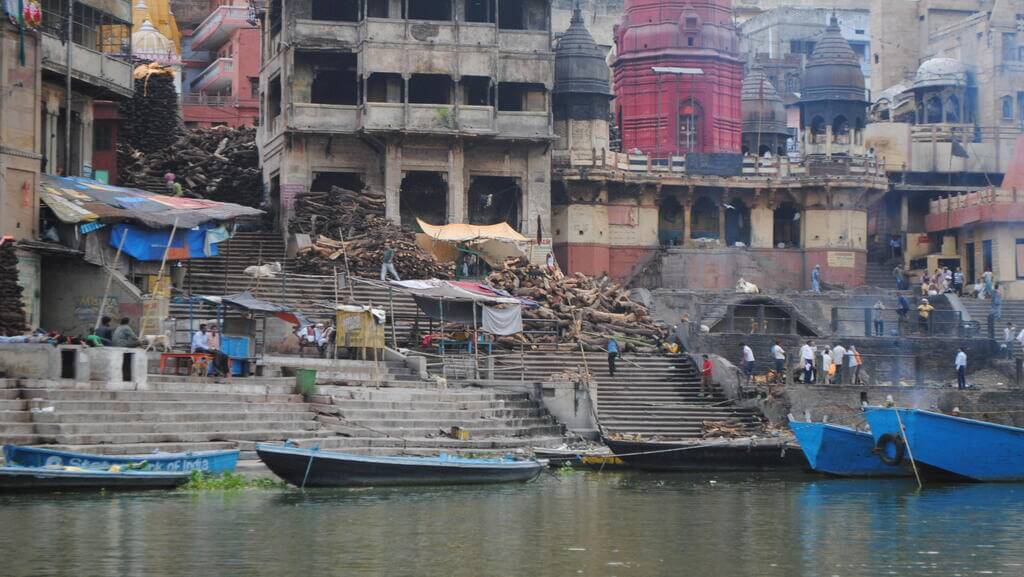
<point>158,12</point>
<point>762,222</point>
<point>891,142</point>
<point>836,228</point>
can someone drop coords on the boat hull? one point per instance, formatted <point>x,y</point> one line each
<point>708,456</point>
<point>953,446</point>
<point>26,479</point>
<point>329,469</point>
<point>842,452</point>
<point>597,461</point>
<point>213,462</point>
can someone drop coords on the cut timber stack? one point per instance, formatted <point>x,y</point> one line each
<point>219,163</point>
<point>12,310</point>
<point>359,216</point>
<point>586,309</point>
<point>151,118</point>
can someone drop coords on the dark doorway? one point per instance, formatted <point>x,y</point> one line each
<point>476,91</point>
<point>423,195</point>
<point>786,230</point>
<point>704,219</point>
<point>336,10</point>
<point>480,11</point>
<point>430,89</point>
<point>385,87</point>
<point>737,223</point>
<point>335,80</point>
<point>127,360</point>
<point>275,201</point>
<point>670,222</point>
<point>972,276</point>
<point>494,199</point>
<point>377,8</point>
<point>986,255</point>
<point>430,9</point>
<point>323,181</point>
<point>67,363</point>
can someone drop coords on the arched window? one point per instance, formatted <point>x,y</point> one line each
<point>841,130</point>
<point>818,129</point>
<point>670,221</point>
<point>787,226</point>
<point>737,223</point>
<point>704,219</point>
<point>690,118</point>
<point>1007,108</point>
<point>933,110</point>
<point>953,109</point>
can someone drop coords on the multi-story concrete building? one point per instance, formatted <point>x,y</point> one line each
<point>947,124</point>
<point>445,105</point>
<point>35,107</point>
<point>221,65</point>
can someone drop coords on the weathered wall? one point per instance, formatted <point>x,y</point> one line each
<point>71,294</point>
<point>721,268</point>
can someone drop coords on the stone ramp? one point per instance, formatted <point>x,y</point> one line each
<point>649,395</point>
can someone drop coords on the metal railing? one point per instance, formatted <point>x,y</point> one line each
<point>862,321</point>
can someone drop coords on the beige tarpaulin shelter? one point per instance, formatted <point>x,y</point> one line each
<point>494,242</point>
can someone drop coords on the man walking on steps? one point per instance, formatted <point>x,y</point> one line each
<point>613,353</point>
<point>807,358</point>
<point>748,361</point>
<point>961,369</point>
<point>779,356</point>
<point>705,378</point>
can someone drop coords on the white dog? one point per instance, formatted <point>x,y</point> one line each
<point>264,271</point>
<point>157,342</point>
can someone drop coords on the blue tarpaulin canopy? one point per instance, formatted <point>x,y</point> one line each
<point>147,244</point>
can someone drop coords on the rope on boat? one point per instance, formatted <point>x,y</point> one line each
<point>687,448</point>
<point>910,453</point>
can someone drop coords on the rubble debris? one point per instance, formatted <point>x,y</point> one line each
<point>584,308</point>
<point>359,218</point>
<point>731,429</point>
<point>219,163</point>
<point>12,308</point>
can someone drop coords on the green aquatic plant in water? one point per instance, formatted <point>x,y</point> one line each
<point>200,481</point>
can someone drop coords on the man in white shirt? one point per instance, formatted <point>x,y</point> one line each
<point>201,344</point>
<point>748,361</point>
<point>839,358</point>
<point>961,369</point>
<point>1009,334</point>
<point>779,355</point>
<point>826,366</point>
<point>807,358</point>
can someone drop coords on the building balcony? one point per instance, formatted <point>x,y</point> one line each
<point>216,77</point>
<point>328,33</point>
<point>94,73</point>
<point>528,125</point>
<point>219,26</point>
<point>323,118</point>
<point>325,34</point>
<point>981,207</point>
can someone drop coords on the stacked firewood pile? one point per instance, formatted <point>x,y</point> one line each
<point>12,310</point>
<point>585,309</point>
<point>358,217</point>
<point>219,163</point>
<point>151,118</point>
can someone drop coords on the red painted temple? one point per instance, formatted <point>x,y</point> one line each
<point>678,77</point>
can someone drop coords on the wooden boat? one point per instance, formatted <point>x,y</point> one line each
<point>842,451</point>
<point>703,455</point>
<point>214,462</point>
<point>596,459</point>
<point>944,445</point>
<point>17,479</point>
<point>316,468</point>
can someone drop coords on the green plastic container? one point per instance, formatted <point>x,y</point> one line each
<point>305,381</point>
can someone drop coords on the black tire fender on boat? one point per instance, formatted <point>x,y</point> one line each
<point>899,448</point>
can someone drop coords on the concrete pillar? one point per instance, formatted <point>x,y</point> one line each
<point>687,211</point>
<point>721,221</point>
<point>392,180</point>
<point>537,192</point>
<point>456,183</point>
<point>762,226</point>
<point>86,136</point>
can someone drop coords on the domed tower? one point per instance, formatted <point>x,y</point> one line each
<point>833,106</point>
<point>764,115</point>
<point>678,77</point>
<point>582,89</point>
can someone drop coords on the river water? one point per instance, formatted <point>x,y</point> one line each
<point>611,524</point>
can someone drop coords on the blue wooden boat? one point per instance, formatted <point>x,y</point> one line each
<point>24,479</point>
<point>214,462</point>
<point>842,451</point>
<point>943,445</point>
<point>316,468</point>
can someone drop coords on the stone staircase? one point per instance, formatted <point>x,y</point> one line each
<point>1013,311</point>
<point>419,421</point>
<point>312,295</point>
<point>879,274</point>
<point>649,395</point>
<point>170,415</point>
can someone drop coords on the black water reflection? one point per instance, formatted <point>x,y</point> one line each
<point>578,524</point>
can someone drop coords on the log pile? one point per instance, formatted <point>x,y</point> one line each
<point>585,309</point>
<point>12,309</point>
<point>219,163</point>
<point>359,218</point>
<point>151,118</point>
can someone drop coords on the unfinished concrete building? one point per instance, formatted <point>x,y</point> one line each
<point>443,104</point>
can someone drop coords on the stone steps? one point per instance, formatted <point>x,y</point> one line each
<point>171,417</point>
<point>189,437</point>
<point>463,415</point>
<point>155,396</point>
<point>429,443</point>
<point>81,406</point>
<point>161,428</point>
<point>402,406</point>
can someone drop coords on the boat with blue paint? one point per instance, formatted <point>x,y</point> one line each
<point>947,445</point>
<point>316,468</point>
<point>843,451</point>
<point>27,479</point>
<point>212,462</point>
